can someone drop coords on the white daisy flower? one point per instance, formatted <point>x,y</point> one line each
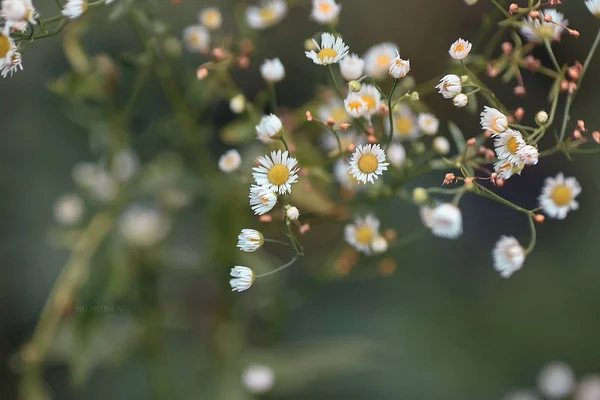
<point>449,86</point>
<point>588,388</point>
<point>594,7</point>
<point>196,39</point>
<point>250,240</point>
<point>268,14</point>
<point>528,154</point>
<point>398,67</point>
<point>333,109</point>
<point>262,200</point>
<point>325,11</point>
<point>258,379</point>
<point>361,233</point>
<point>371,96</point>
<point>460,100</point>
<point>445,220</point>
<point>243,278</point>
<point>352,67</point>
<point>538,30</point>
<point>347,181</point>
<point>405,123</point>
<point>428,123</point>
<point>505,169</point>
<point>272,70</point>
<point>144,227</point>
<point>292,213</point>
<point>508,144</point>
<point>378,58</point>
<point>237,104</point>
<point>367,163</point>
<point>460,49</point>
<point>508,256</point>
<point>10,58</point>
<point>74,8</point>
<point>332,50</point>
<point>379,245</point>
<point>493,120</point>
<point>269,128</point>
<point>230,161</point>
<point>277,172</point>
<point>355,105</point>
<point>69,209</point>
<point>396,154</point>
<point>18,13</point>
<point>556,380</point>
<point>211,18</point>
<point>558,196</point>
<point>441,145</point>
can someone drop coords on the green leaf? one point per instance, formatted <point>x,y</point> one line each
<point>457,136</point>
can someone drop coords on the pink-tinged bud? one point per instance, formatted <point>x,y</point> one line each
<point>539,218</point>
<point>330,122</point>
<point>344,126</point>
<point>471,142</point>
<point>490,155</point>
<point>449,178</point>
<point>370,131</point>
<point>520,91</point>
<point>265,218</point>
<point>581,125</point>
<point>534,14</point>
<point>304,228</point>
<point>492,71</point>
<point>547,18</point>
<point>469,180</point>
<point>507,48</point>
<point>372,139</point>
<point>218,53</point>
<point>389,234</point>
<point>351,148</point>
<point>573,73</point>
<point>596,136</point>
<point>487,134</point>
<point>576,134</point>
<point>201,73</point>
<point>564,86</point>
<point>519,113</point>
<point>309,116</point>
<point>572,87</point>
<point>574,33</point>
<point>513,9</point>
<point>243,62</point>
<point>499,182</point>
<point>384,109</point>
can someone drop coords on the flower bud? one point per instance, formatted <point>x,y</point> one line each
<point>414,96</point>
<point>460,100</point>
<point>237,104</point>
<point>420,195</point>
<point>441,145</point>
<point>354,86</point>
<point>310,45</point>
<point>292,213</point>
<point>464,79</point>
<point>541,117</point>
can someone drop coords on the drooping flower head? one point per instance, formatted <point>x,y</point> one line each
<point>250,240</point>
<point>262,200</point>
<point>449,86</point>
<point>508,256</point>
<point>398,67</point>
<point>243,278</point>
<point>269,128</point>
<point>493,120</point>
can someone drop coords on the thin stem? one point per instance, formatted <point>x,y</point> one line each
<point>284,143</point>
<point>334,82</point>
<point>493,196</point>
<point>585,151</point>
<point>438,190</point>
<point>533,235</point>
<point>589,57</point>
<point>566,117</point>
<point>390,114</point>
<point>499,7</point>
<point>273,98</point>
<point>552,56</point>
<point>278,242</point>
<point>284,266</point>
<point>457,197</point>
<point>295,242</point>
<point>140,80</point>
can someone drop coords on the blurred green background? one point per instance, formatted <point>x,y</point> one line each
<point>444,326</point>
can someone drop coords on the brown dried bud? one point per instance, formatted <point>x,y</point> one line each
<point>449,178</point>
<point>513,9</point>
<point>309,116</point>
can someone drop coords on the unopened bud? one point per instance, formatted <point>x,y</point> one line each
<point>414,96</point>
<point>576,134</point>
<point>449,178</point>
<point>330,122</point>
<point>564,85</point>
<point>596,136</point>
<point>574,33</point>
<point>507,48</point>
<point>519,91</point>
<point>351,148</point>
<point>547,18</point>
<point>471,142</point>
<point>541,117</point>
<point>539,218</point>
<point>420,195</point>
<point>201,73</point>
<point>513,9</point>
<point>309,116</point>
<point>354,86</point>
<point>519,113</point>
<point>534,14</point>
<point>581,125</point>
<point>464,78</point>
<point>310,45</point>
<point>344,126</point>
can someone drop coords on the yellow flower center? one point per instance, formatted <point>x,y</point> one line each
<point>265,200</point>
<point>4,46</point>
<point>278,174</point>
<point>459,47</point>
<point>370,100</point>
<point>495,126</point>
<point>327,54</point>
<point>194,39</point>
<point>364,235</point>
<point>512,145</point>
<point>562,196</point>
<point>383,60</point>
<point>355,105</point>
<point>368,163</point>
<point>404,125</point>
<point>212,18</point>
<point>324,7</point>
<point>268,15</point>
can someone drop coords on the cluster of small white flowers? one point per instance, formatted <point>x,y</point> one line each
<point>197,37</point>
<point>540,30</point>
<point>450,86</point>
<point>269,13</point>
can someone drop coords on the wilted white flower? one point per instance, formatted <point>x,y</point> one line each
<point>74,8</point>
<point>428,123</point>
<point>398,67</point>
<point>449,86</point>
<point>361,233</point>
<point>460,100</point>
<point>125,165</point>
<point>379,245</point>
<point>441,145</point>
<point>558,196</point>
<point>396,154</point>
<point>460,49</point>
<point>556,380</point>
<point>292,213</point>
<point>68,209</point>
<point>371,96</point>
<point>528,155</point>
<point>352,67</point>
<point>258,379</point>
<point>493,120</point>
<point>211,18</point>
<point>332,50</point>
<point>196,39</point>
<point>445,220</point>
<point>378,58</point>
<point>143,227</point>
<point>272,70</point>
<point>508,144</point>
<point>325,11</point>
<point>262,200</point>
<point>538,30</point>
<point>18,13</point>
<point>237,104</point>
<point>250,240</point>
<point>230,161</point>
<point>276,172</point>
<point>269,128</point>
<point>367,163</point>
<point>505,169</point>
<point>594,7</point>
<point>268,14</point>
<point>508,256</point>
<point>588,388</point>
<point>243,278</point>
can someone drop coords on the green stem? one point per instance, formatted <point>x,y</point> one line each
<point>278,242</point>
<point>284,144</point>
<point>552,56</point>
<point>334,82</point>
<point>390,114</point>
<point>284,266</point>
<point>485,192</point>
<point>533,235</point>
<point>499,7</point>
<point>273,98</point>
<point>295,242</point>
